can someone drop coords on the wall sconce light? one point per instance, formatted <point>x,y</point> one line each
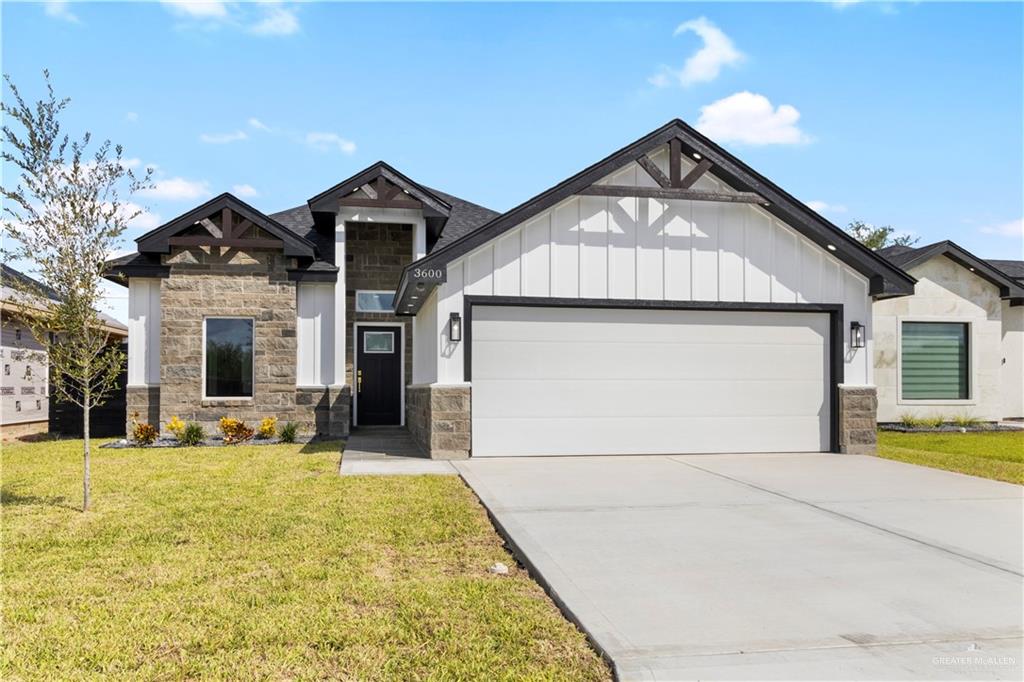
<point>856,335</point>
<point>455,328</point>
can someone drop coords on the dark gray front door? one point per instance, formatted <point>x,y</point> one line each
<point>378,376</point>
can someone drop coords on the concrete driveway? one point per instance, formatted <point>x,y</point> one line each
<point>772,566</point>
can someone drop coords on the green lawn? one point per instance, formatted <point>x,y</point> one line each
<point>261,562</point>
<point>997,454</point>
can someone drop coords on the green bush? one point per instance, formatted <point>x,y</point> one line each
<point>192,434</point>
<point>909,420</point>
<point>933,422</point>
<point>288,432</point>
<point>965,421</point>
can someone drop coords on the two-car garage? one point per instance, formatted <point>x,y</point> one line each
<point>579,379</point>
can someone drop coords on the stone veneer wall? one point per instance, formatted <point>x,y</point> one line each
<point>145,400</point>
<point>375,254</point>
<point>210,283</point>
<point>858,408</point>
<point>324,411</point>
<point>438,418</point>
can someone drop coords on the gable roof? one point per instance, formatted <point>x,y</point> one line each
<point>7,293</point>
<point>1013,268</point>
<point>327,200</point>
<point>885,279</point>
<point>907,257</point>
<point>155,241</point>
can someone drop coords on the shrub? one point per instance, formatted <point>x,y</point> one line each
<point>192,434</point>
<point>143,433</point>
<point>267,428</point>
<point>933,422</point>
<point>965,420</point>
<point>909,420</point>
<point>234,430</point>
<point>176,427</point>
<point>288,432</point>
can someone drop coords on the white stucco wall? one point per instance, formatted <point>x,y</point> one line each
<point>424,349</point>
<point>629,248</point>
<point>1012,378</point>
<point>945,292</point>
<point>143,331</point>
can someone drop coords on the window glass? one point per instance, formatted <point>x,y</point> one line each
<point>934,361</point>
<point>228,357</point>
<point>378,342</point>
<point>374,301</point>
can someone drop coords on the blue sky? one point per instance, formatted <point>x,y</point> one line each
<point>901,114</point>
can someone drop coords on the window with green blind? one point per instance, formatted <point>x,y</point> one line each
<point>934,361</point>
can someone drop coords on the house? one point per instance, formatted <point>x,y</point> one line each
<point>956,347</point>
<point>24,384</point>
<point>667,298</point>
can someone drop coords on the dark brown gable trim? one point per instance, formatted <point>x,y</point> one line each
<point>885,278</point>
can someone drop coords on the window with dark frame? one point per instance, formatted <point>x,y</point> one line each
<point>934,361</point>
<point>229,357</point>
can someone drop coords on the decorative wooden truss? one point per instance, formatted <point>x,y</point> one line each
<point>675,185</point>
<point>229,233</point>
<point>380,193</point>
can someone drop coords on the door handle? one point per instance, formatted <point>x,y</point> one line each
<point>359,381</point>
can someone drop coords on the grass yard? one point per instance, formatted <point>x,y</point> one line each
<point>261,562</point>
<point>998,454</point>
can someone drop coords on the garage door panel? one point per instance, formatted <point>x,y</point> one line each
<point>661,398</point>
<point>553,381</point>
<point>520,436</point>
<point>641,325</point>
<point>499,359</point>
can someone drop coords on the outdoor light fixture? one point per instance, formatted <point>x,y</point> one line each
<point>856,335</point>
<point>455,327</point>
<point>831,247</point>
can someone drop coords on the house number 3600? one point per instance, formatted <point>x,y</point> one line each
<point>428,273</point>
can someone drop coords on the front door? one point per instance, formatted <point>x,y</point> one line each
<point>378,375</point>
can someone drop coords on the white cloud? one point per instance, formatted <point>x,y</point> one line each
<point>131,117</point>
<point>747,118</point>
<point>329,141</point>
<point>58,9</point>
<point>223,138</point>
<point>705,64</point>
<point>175,189</point>
<point>245,190</point>
<point>276,21</point>
<point>825,207</point>
<point>204,9</point>
<point>259,125</point>
<point>255,18</point>
<point>843,4</point>
<point>1011,228</point>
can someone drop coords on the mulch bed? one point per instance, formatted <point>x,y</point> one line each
<point>208,443</point>
<point>948,428</point>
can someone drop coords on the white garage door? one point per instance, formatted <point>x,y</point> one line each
<point>584,381</point>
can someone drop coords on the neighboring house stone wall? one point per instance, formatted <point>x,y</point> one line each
<point>233,283</point>
<point>23,378</point>
<point>945,292</point>
<point>376,253</point>
<point>439,419</point>
<point>1012,377</point>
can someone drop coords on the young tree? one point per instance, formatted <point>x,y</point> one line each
<point>63,215</point>
<point>876,238</point>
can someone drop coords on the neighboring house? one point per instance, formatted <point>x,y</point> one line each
<point>956,347</point>
<point>24,384</point>
<point>667,299</point>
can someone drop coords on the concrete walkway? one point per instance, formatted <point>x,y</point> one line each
<point>771,566</point>
<point>387,451</point>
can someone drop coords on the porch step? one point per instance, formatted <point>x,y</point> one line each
<point>381,441</point>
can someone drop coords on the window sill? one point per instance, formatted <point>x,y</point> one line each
<point>226,402</point>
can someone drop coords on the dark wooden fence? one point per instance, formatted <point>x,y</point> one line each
<point>105,421</point>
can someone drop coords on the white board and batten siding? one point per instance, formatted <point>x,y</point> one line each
<point>649,249</point>
<point>143,331</point>
<point>314,335</point>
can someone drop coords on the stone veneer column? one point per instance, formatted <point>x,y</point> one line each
<point>858,420</point>
<point>146,401</point>
<point>324,411</point>
<point>438,418</point>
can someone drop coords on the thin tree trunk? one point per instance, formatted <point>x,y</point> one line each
<point>85,432</point>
